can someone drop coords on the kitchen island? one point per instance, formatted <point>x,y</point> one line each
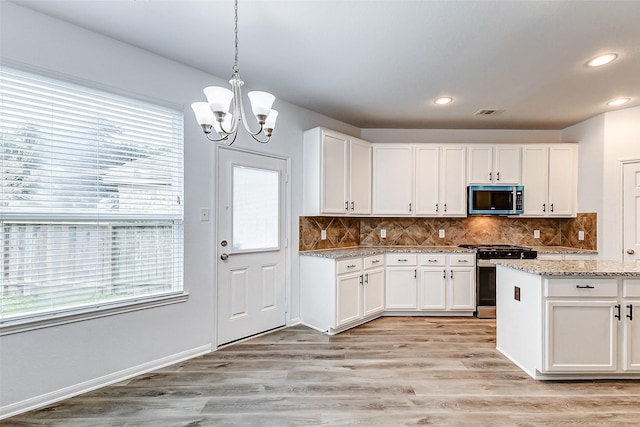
<point>569,319</point>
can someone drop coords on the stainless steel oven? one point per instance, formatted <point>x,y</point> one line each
<point>486,273</point>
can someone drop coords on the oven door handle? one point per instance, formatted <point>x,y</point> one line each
<point>485,263</point>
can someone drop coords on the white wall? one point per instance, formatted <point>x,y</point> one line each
<point>590,135</point>
<point>605,141</point>
<point>50,363</point>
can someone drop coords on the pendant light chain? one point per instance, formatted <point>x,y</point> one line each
<point>235,66</point>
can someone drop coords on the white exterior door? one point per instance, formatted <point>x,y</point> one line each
<point>251,257</point>
<point>631,209</point>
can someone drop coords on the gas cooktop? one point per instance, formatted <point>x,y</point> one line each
<point>489,251</point>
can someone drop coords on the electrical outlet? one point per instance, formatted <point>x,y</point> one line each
<point>536,234</point>
<point>383,234</point>
<point>580,235</point>
<point>323,235</point>
<point>204,214</point>
<point>441,234</point>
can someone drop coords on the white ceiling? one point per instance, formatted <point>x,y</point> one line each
<point>380,64</point>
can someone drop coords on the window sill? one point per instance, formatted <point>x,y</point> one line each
<point>9,327</point>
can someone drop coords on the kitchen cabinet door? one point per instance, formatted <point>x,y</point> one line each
<point>480,164</point>
<point>401,288</point>
<point>427,180</point>
<point>453,188</point>
<point>563,189</point>
<point>348,298</point>
<point>489,164</point>
<point>507,167</point>
<point>580,336</point>
<point>392,179</point>
<point>359,177</point>
<point>433,288</point>
<point>373,291</point>
<point>535,178</point>
<point>334,174</point>
<point>631,348</point>
<point>462,289</point>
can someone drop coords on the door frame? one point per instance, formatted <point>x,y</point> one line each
<point>621,202</point>
<point>217,250</point>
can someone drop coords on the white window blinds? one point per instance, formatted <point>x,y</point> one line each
<point>91,197</point>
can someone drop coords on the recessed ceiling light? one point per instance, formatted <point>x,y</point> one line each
<point>602,60</point>
<point>618,101</point>
<point>443,100</point>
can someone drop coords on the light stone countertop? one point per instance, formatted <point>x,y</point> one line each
<point>357,251</point>
<point>560,250</point>
<point>578,268</point>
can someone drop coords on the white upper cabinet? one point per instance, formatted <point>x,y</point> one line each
<point>437,173</point>
<point>549,176</point>
<point>494,165</point>
<point>392,179</point>
<point>453,191</point>
<point>337,174</point>
<point>427,197</point>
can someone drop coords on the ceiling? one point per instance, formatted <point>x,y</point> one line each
<point>380,64</point>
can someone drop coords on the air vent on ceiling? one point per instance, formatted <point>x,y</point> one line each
<point>488,112</point>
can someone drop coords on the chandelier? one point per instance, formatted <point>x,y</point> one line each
<point>215,114</point>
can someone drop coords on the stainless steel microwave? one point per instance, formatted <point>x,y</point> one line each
<point>496,200</point>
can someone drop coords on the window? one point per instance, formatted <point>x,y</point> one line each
<point>91,211</point>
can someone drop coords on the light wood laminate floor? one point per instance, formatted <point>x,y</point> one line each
<point>394,371</point>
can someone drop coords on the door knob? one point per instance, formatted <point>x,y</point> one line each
<point>224,257</point>
<point>631,251</point>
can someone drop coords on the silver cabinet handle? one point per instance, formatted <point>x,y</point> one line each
<point>366,278</point>
<point>444,274</point>
<point>351,266</point>
<point>452,274</point>
<point>353,205</point>
<point>498,176</point>
<point>403,260</point>
<point>346,206</point>
<point>445,207</point>
<point>544,207</point>
<point>551,207</point>
<point>436,207</point>
<point>630,315</point>
<point>409,207</point>
<point>375,261</point>
<point>224,257</point>
<point>432,260</point>
<point>490,176</point>
<point>463,260</point>
<point>585,287</point>
<point>617,316</point>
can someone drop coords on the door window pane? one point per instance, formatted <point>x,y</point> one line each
<point>256,204</point>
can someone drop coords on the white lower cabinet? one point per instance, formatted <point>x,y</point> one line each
<point>431,282</point>
<point>401,282</point>
<point>338,294</point>
<point>589,326</point>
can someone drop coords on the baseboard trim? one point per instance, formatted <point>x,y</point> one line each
<point>84,387</point>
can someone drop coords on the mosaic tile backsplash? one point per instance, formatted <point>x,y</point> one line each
<point>344,232</point>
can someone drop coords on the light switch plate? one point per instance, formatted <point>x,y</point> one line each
<point>536,234</point>
<point>441,234</point>
<point>204,214</point>
<point>580,235</point>
<point>383,234</point>
<point>323,235</point>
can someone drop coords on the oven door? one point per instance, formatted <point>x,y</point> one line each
<point>486,289</point>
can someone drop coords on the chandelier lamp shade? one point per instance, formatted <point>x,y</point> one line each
<point>224,109</point>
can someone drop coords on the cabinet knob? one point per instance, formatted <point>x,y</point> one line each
<point>631,251</point>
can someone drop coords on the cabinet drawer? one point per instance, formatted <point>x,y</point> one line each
<point>374,261</point>
<point>462,260</point>
<point>433,260</point>
<point>401,259</point>
<point>349,265</point>
<point>631,288</point>
<point>583,287</point>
